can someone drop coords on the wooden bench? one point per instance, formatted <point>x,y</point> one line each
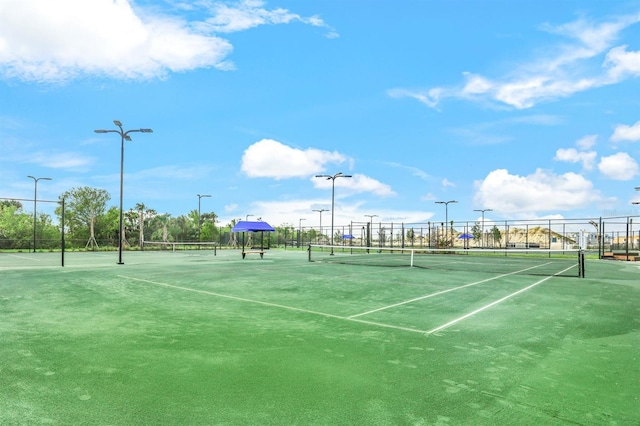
<point>260,252</point>
<point>630,258</point>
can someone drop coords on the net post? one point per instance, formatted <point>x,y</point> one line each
<point>309,251</point>
<point>581,263</point>
<point>62,235</point>
<point>412,251</point>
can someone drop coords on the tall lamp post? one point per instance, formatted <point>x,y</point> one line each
<point>637,188</point>
<point>446,215</point>
<point>483,210</point>
<point>370,216</point>
<point>333,191</point>
<point>124,136</point>
<point>246,218</point>
<point>35,197</point>
<point>199,198</point>
<point>299,231</point>
<point>320,211</point>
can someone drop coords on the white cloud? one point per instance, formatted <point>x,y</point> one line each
<point>19,152</point>
<point>413,170</point>
<point>571,155</point>
<point>291,211</point>
<point>47,41</point>
<point>248,14</point>
<point>623,132</point>
<point>568,68</point>
<point>619,166</point>
<point>447,183</point>
<point>541,191</point>
<point>272,159</point>
<point>476,84</point>
<point>622,64</point>
<point>587,142</point>
<point>190,172</point>
<point>356,184</point>
<point>430,98</point>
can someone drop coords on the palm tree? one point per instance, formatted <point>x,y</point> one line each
<point>143,214</point>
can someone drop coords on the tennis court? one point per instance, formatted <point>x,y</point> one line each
<point>189,337</point>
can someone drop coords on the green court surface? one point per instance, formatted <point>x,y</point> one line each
<point>189,338</point>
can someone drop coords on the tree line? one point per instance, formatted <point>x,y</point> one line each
<point>90,223</point>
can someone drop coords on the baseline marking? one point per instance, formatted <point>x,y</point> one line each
<point>226,296</point>
<point>450,323</point>
<point>24,257</point>
<point>445,291</point>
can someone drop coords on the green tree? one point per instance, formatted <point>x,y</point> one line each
<point>497,235</point>
<point>83,205</point>
<point>476,231</point>
<point>208,230</point>
<point>160,226</point>
<point>16,227</point>
<point>411,235</point>
<point>136,220</point>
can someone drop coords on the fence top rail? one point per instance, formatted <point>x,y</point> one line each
<point>31,200</point>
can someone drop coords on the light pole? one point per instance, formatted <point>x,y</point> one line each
<point>446,215</point>
<point>483,210</point>
<point>35,197</point>
<point>300,230</point>
<point>320,211</point>
<point>124,136</point>
<point>333,191</point>
<point>199,198</point>
<point>370,216</point>
<point>246,218</point>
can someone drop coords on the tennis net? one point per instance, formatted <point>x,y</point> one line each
<point>500,261</point>
<point>180,246</point>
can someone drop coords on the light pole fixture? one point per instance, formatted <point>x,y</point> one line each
<point>446,215</point>
<point>246,218</point>
<point>35,197</point>
<point>370,216</point>
<point>124,136</point>
<point>333,190</point>
<point>483,210</point>
<point>320,211</point>
<point>199,198</point>
<point>637,188</point>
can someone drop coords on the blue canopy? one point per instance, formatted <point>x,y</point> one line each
<point>250,226</point>
<point>465,236</point>
<point>347,237</point>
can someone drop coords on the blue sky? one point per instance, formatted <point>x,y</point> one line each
<point>528,108</point>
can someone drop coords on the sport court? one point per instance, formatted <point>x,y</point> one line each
<point>189,337</point>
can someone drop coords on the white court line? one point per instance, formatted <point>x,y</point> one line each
<point>24,257</point>
<point>450,323</point>
<point>443,292</point>
<point>226,296</point>
<point>274,305</point>
<point>352,318</point>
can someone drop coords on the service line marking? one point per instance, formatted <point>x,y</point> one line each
<point>273,305</point>
<point>442,292</point>
<point>470,314</point>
